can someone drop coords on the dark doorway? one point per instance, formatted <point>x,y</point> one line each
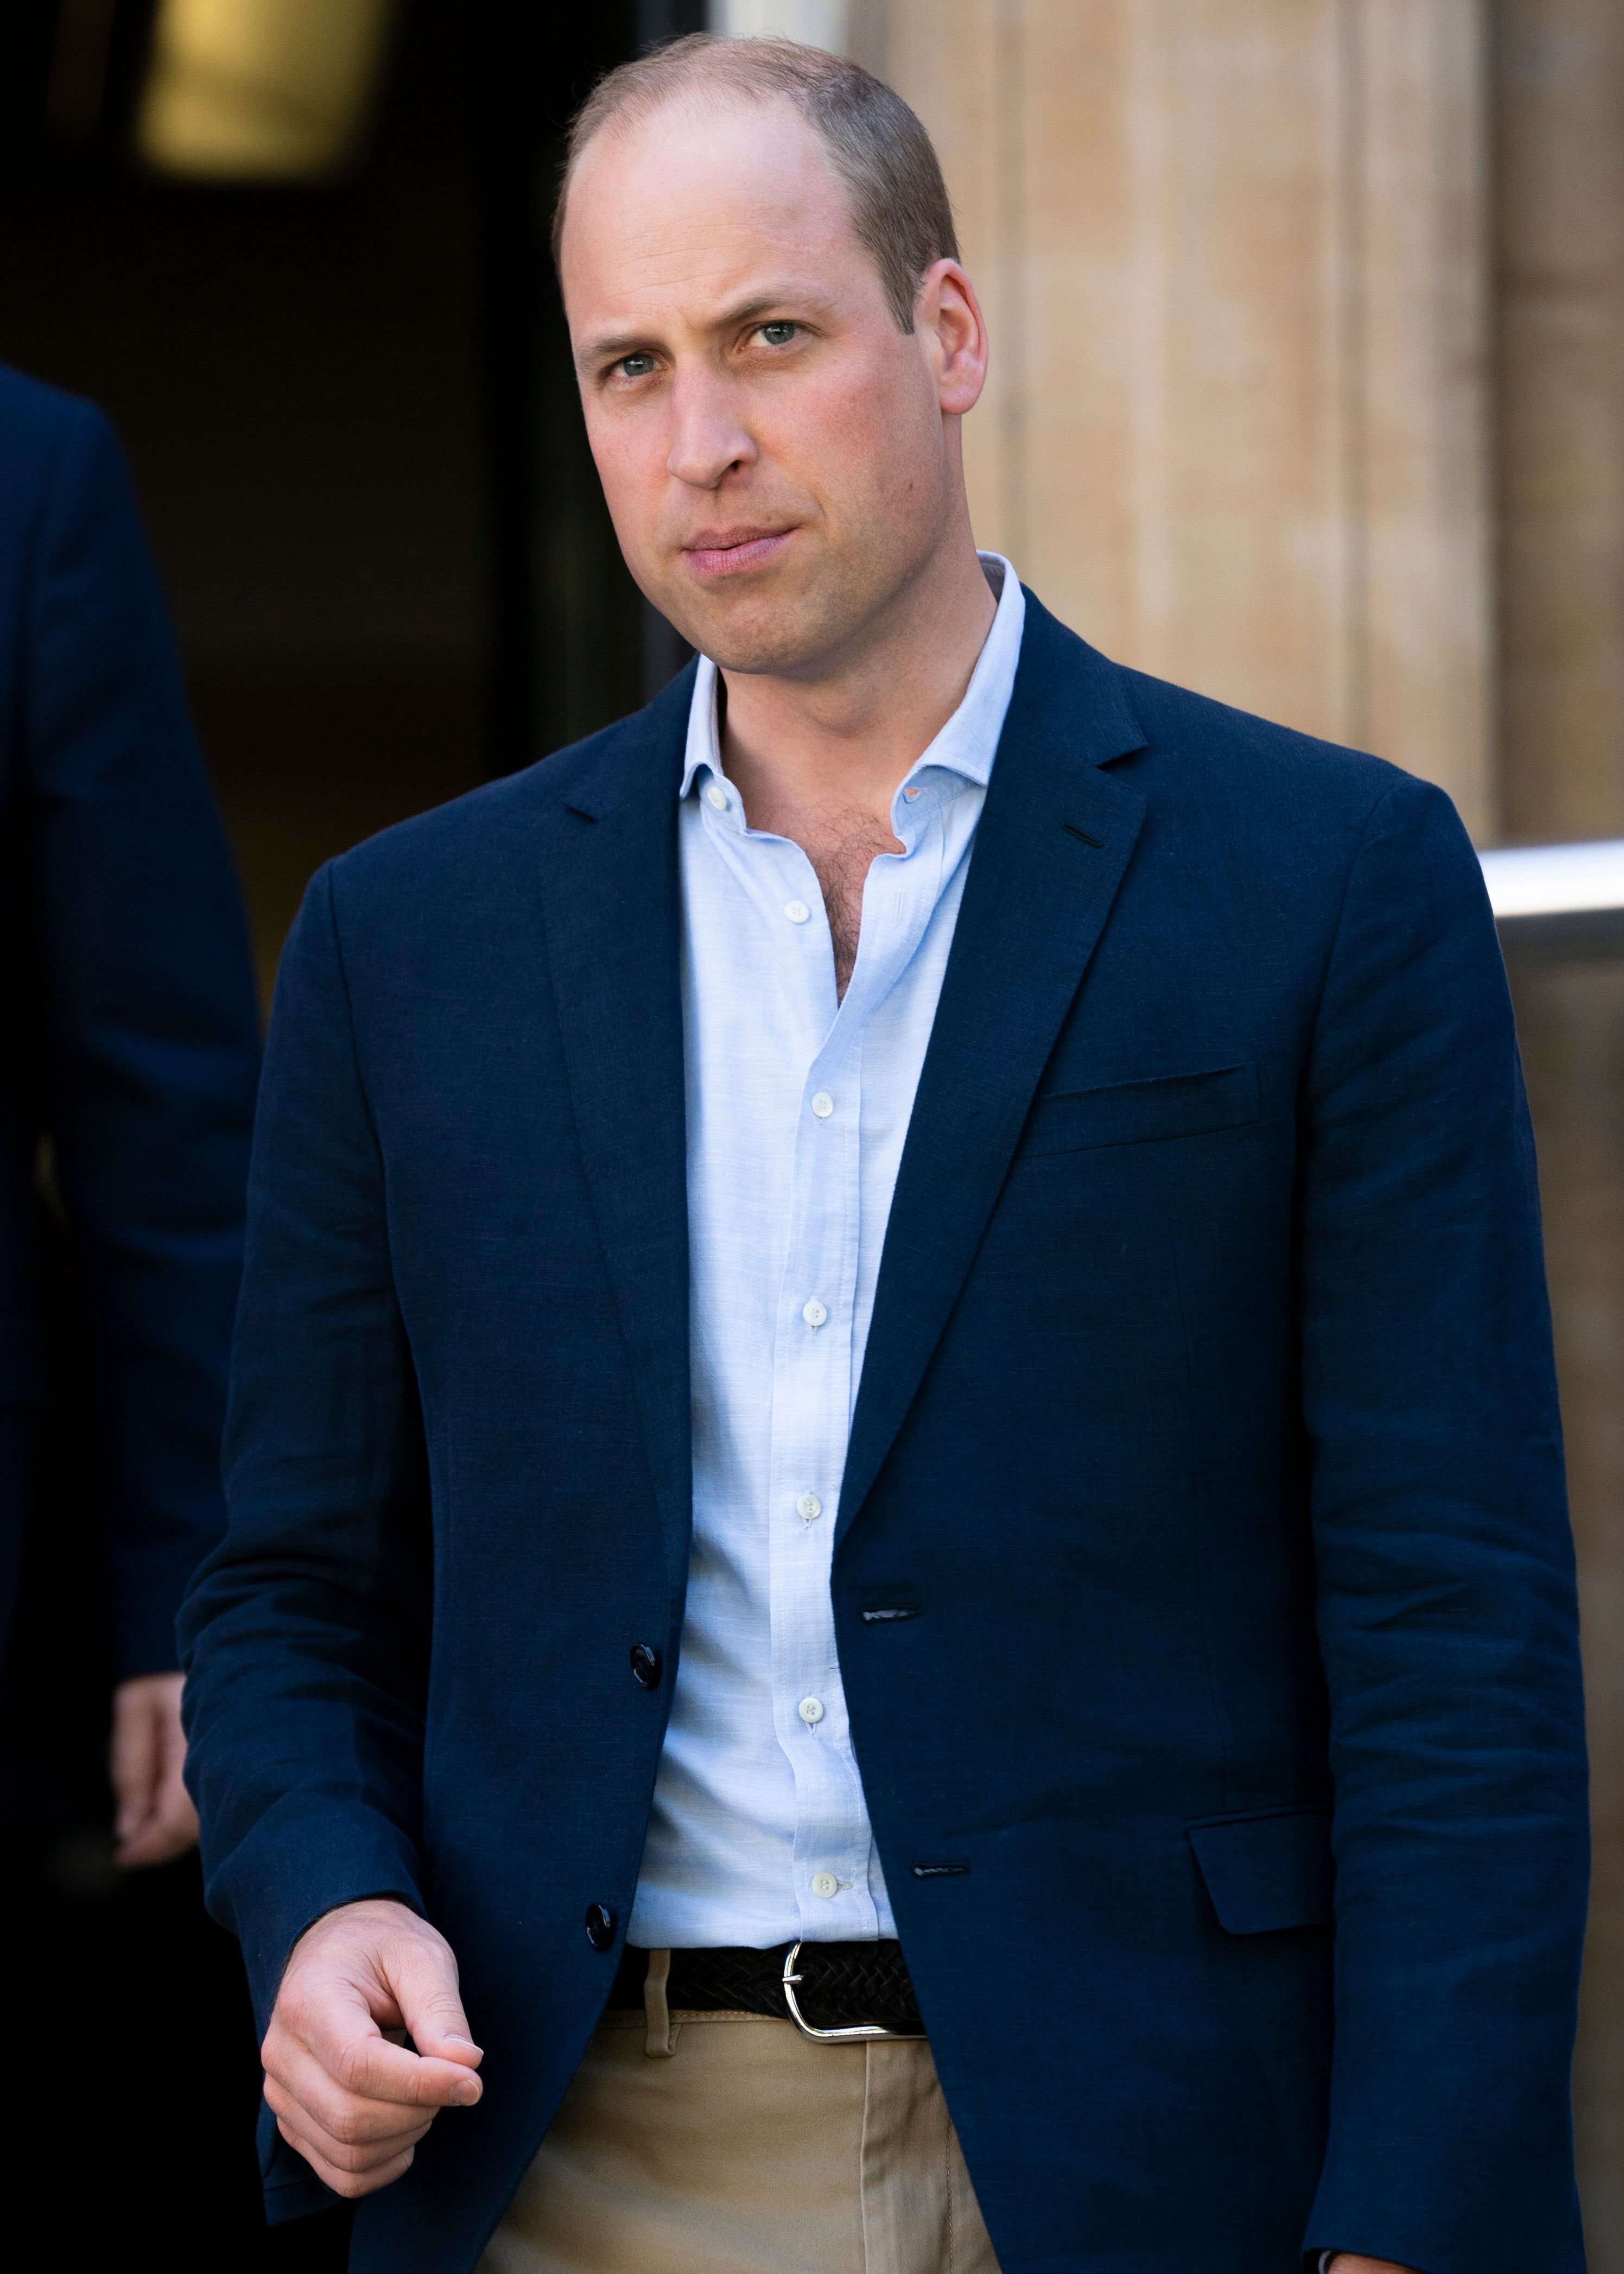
<point>354,431</point>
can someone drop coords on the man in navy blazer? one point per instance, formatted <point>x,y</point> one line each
<point>894,1307</point>
<point>130,1045</point>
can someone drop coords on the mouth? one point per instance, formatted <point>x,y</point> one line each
<point>715,554</point>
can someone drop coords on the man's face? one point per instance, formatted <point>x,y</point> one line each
<point>779,460</point>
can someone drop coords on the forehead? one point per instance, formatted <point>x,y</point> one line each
<point>701,199</point>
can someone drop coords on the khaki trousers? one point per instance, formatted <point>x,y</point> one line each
<point>728,2143</point>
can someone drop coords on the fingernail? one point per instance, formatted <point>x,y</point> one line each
<point>466,2094</point>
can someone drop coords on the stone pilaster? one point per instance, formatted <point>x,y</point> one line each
<point>1235,257</point>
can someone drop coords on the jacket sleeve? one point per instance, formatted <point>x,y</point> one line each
<point>306,1633</point>
<point>151,1026</point>
<point>1445,1596</point>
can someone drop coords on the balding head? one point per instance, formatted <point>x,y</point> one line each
<point>902,212</point>
<point>779,449</point>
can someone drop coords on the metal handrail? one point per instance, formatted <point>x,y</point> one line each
<point>1554,902</point>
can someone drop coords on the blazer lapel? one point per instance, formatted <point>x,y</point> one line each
<point>611,903</point>
<point>1053,842</point>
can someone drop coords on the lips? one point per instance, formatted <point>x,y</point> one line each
<point>730,552</point>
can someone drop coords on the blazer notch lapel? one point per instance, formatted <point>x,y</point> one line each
<point>612,917</point>
<point>1052,848</point>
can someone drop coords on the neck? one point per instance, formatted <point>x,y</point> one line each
<point>846,731</point>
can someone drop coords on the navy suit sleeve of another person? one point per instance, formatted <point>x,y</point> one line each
<point>126,915</point>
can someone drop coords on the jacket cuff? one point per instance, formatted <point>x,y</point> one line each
<point>296,1865</point>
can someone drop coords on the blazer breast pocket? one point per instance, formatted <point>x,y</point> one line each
<point>1138,1113</point>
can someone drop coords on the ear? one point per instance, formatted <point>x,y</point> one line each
<point>948,320</point>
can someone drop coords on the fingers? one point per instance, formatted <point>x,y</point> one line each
<point>369,2141</point>
<point>170,1830</point>
<point>341,2129</point>
<point>171,1827</point>
<point>338,2168</point>
<point>155,1819</point>
<point>361,2064</point>
<point>135,1756</point>
<point>339,2006</point>
<point>300,2090</point>
<point>352,2103</point>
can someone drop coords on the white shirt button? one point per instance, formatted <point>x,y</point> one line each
<point>797,911</point>
<point>811,1711</point>
<point>822,1104</point>
<point>808,1506</point>
<point>814,1313</point>
<point>716,797</point>
<point>825,1884</point>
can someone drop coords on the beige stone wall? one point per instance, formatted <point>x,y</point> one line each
<point>1559,162</point>
<point>1235,258</point>
<point>1571,1019</point>
<point>1558,166</point>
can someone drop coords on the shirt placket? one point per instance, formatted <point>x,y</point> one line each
<point>814,1366</point>
<point>811,1368</point>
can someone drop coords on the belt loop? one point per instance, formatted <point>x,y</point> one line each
<point>661,2041</point>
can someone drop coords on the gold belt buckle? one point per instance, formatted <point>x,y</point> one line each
<point>830,2036</point>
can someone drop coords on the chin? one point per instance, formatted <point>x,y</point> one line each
<point>779,652</point>
<point>781,634</point>
<point>744,639</point>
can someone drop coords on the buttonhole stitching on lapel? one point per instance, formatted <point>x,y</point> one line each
<point>940,1870</point>
<point>1071,829</point>
<point>882,1612</point>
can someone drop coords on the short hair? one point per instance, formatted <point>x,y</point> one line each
<point>901,209</point>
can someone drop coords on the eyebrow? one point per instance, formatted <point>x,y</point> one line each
<point>621,343</point>
<point>626,343</point>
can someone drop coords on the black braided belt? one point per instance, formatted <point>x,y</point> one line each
<point>860,1986</point>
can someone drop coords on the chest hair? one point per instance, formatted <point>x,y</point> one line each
<point>841,845</point>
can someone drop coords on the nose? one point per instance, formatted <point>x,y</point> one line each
<point>708,439</point>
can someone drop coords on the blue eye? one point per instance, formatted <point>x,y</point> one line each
<point>636,366</point>
<point>779,334</point>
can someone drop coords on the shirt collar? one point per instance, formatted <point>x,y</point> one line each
<point>967,744</point>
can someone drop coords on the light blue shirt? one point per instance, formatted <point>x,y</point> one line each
<point>797,1106</point>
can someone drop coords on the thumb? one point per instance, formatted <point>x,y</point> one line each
<point>423,1976</point>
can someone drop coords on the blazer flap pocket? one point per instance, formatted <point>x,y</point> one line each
<point>1131,1112</point>
<point>1267,1872</point>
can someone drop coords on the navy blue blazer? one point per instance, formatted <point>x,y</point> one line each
<point>128,1029</point>
<point>1229,1779</point>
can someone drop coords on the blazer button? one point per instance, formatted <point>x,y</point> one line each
<point>645,1666</point>
<point>599,1926</point>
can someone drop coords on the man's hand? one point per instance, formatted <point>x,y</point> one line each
<point>347,2092</point>
<point>155,1819</point>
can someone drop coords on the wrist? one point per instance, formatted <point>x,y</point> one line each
<point>354,1908</point>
